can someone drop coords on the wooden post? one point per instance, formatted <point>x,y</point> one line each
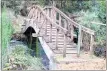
<point>79,41</point>
<point>81,37</point>
<point>91,44</point>
<point>56,39</point>
<point>64,48</point>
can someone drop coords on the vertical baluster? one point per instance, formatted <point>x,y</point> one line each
<point>38,16</point>
<point>47,11</point>
<point>54,15</point>
<point>65,24</point>
<point>59,19</point>
<point>51,14</point>
<point>36,13</point>
<point>46,27</point>
<point>72,32</point>
<point>79,41</point>
<point>64,48</point>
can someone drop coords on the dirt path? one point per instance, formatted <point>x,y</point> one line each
<point>95,64</point>
<point>84,62</point>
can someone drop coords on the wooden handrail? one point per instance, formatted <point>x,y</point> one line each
<point>51,21</point>
<point>74,23</point>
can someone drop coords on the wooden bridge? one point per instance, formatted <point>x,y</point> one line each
<point>55,30</point>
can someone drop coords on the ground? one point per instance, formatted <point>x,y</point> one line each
<point>95,64</point>
<point>84,62</point>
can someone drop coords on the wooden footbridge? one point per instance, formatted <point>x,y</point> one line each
<point>55,31</point>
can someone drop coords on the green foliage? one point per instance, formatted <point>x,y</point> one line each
<point>102,11</point>
<point>86,19</point>
<point>7,29</point>
<point>22,58</point>
<point>13,5</point>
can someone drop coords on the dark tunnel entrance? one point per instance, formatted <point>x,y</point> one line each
<point>32,42</point>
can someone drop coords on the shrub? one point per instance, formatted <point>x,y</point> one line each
<point>100,50</point>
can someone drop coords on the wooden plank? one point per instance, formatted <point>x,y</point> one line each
<point>79,41</point>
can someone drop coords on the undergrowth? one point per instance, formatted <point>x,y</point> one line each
<point>19,59</point>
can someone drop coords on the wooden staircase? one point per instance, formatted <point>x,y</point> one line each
<point>58,29</point>
<point>58,47</point>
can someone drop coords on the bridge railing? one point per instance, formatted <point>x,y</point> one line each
<point>64,21</point>
<point>55,17</point>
